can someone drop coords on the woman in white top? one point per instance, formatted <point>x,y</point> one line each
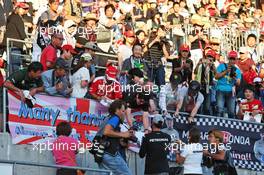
<point>191,155</point>
<point>80,76</point>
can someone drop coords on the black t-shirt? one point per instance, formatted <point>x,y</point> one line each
<point>154,148</point>
<point>132,103</point>
<point>184,74</point>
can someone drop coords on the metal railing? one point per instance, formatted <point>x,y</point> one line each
<point>88,170</point>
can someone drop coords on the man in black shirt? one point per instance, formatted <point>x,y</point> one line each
<point>154,147</point>
<point>135,103</point>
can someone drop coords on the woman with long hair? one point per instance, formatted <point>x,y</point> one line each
<point>219,154</point>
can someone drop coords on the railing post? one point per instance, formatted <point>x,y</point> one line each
<point>4,89</point>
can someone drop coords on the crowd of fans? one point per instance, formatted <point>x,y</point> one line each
<point>207,76</point>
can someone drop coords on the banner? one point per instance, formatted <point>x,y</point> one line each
<point>245,140</point>
<point>37,125</point>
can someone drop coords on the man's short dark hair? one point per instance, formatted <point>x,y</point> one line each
<point>249,87</point>
<point>35,66</point>
<point>252,35</point>
<point>137,44</point>
<point>194,135</point>
<point>117,104</point>
<point>63,129</point>
<point>109,6</point>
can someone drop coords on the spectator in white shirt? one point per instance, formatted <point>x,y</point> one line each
<point>125,50</point>
<point>168,95</point>
<point>192,154</point>
<point>252,43</point>
<point>80,76</point>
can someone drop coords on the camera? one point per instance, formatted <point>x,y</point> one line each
<point>207,161</point>
<point>233,72</point>
<point>101,149</point>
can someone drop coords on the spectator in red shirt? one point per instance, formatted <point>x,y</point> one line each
<point>49,54</point>
<point>106,88</point>
<point>251,105</point>
<point>62,156</point>
<point>246,65</point>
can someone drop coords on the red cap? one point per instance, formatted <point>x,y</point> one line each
<point>22,5</point>
<point>232,54</point>
<point>211,53</point>
<point>184,47</point>
<point>69,47</point>
<point>129,33</point>
<point>111,71</point>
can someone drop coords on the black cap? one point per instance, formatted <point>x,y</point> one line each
<point>194,86</point>
<point>61,63</point>
<point>136,72</point>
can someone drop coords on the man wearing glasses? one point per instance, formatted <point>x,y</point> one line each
<point>49,54</point>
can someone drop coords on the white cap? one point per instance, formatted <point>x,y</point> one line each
<point>257,80</point>
<point>69,23</point>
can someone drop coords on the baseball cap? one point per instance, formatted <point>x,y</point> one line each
<point>111,71</point>
<point>257,80</point>
<point>69,23</point>
<point>91,45</point>
<point>243,50</point>
<point>86,57</point>
<point>158,119</point>
<point>184,47</point>
<point>61,63</point>
<point>211,53</point>
<point>69,48</point>
<point>232,54</point>
<point>194,87</point>
<point>129,33</point>
<point>22,5</point>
